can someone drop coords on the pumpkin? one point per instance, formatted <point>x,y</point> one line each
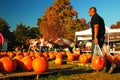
<point>7,64</point>
<point>3,54</point>
<point>76,56</point>
<point>32,54</point>
<point>52,55</point>
<point>40,65</point>
<point>59,55</point>
<point>37,54</point>
<point>89,56</point>
<point>70,57</point>
<point>58,61</point>
<point>98,63</point>
<point>76,51</point>
<point>83,58</point>
<point>26,63</point>
<point>11,54</point>
<point>64,55</point>
<point>26,53</point>
<point>109,57</point>
<point>18,59</point>
<point>45,54</point>
<point>116,59</point>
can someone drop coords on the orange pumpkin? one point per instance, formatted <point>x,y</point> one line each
<point>18,59</point>
<point>45,54</point>
<point>89,56</point>
<point>3,54</point>
<point>83,58</point>
<point>11,54</point>
<point>59,55</point>
<point>70,57</point>
<point>76,56</point>
<point>26,53</point>
<point>116,59</point>
<point>26,63</point>
<point>64,55</point>
<point>37,54</point>
<point>109,57</point>
<point>52,55</point>
<point>58,61</point>
<point>98,62</point>
<point>40,65</point>
<point>7,64</point>
<point>32,54</point>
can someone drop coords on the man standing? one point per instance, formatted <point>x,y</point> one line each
<point>98,33</point>
<point>98,28</point>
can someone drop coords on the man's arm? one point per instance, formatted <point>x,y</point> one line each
<point>96,29</point>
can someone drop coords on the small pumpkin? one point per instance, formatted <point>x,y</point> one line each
<point>83,58</point>
<point>70,57</point>
<point>58,61</point>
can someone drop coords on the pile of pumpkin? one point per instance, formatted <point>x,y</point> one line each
<point>17,61</point>
<point>36,61</point>
<point>39,62</point>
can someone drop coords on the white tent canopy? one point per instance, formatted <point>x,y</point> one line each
<point>109,31</point>
<point>86,34</point>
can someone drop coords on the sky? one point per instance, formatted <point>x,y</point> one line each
<point>28,11</point>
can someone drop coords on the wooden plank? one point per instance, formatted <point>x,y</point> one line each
<point>23,74</point>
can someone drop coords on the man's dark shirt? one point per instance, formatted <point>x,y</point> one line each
<point>96,19</point>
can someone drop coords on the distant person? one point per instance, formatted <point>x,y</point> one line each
<point>41,39</point>
<point>1,40</point>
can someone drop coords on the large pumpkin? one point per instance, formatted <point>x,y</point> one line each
<point>26,63</point>
<point>98,63</point>
<point>7,64</point>
<point>40,65</point>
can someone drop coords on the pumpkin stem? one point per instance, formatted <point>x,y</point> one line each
<point>37,78</point>
<point>112,68</point>
<point>97,70</point>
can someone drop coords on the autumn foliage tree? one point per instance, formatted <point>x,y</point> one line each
<point>60,20</point>
<point>115,26</point>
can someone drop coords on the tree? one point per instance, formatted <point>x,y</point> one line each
<point>4,29</point>
<point>53,21</point>
<point>115,26</point>
<point>75,25</point>
<point>21,33</point>
<point>33,32</point>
